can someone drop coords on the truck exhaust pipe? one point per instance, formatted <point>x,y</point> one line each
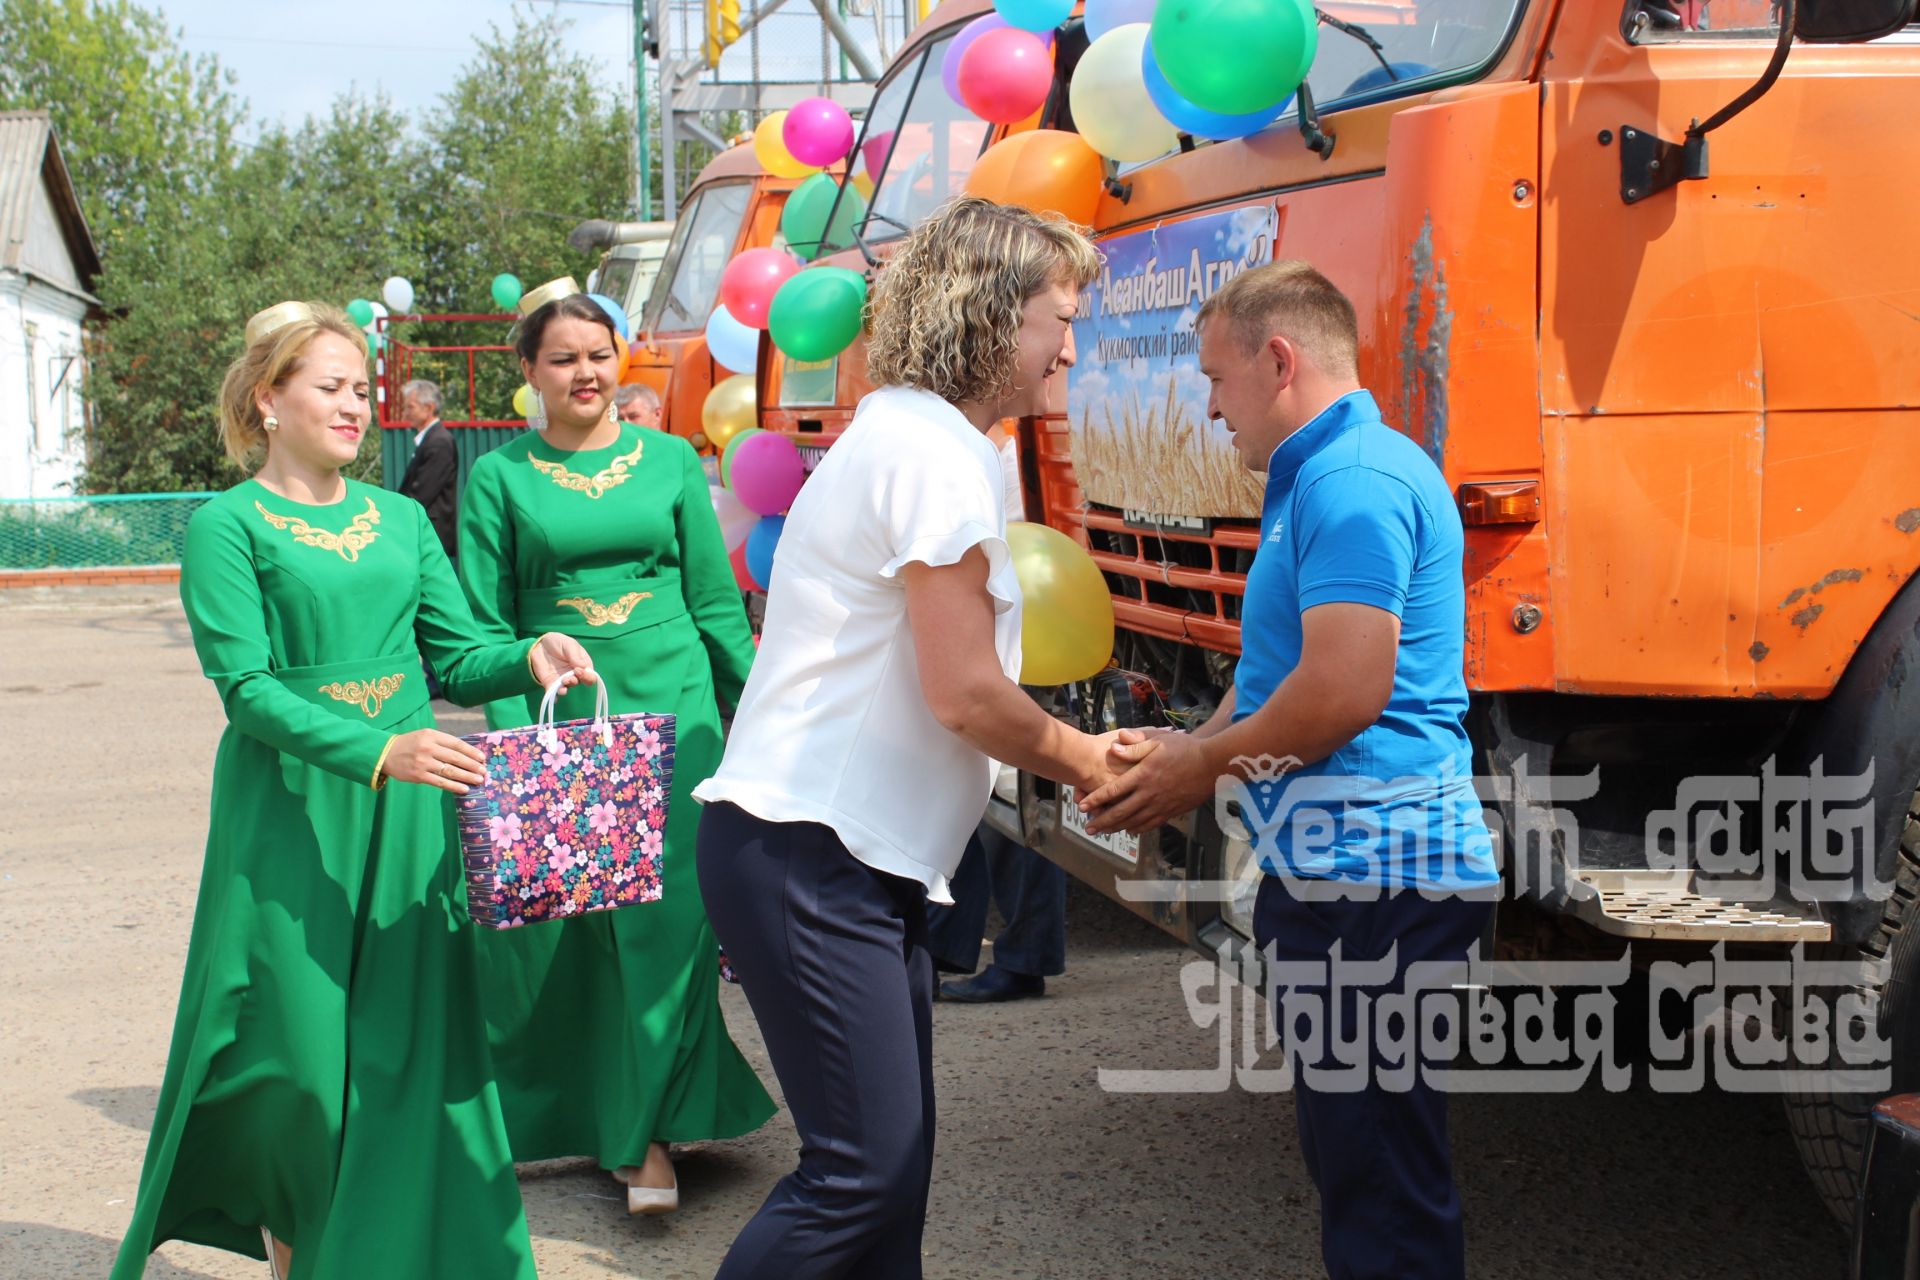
<point>599,233</point>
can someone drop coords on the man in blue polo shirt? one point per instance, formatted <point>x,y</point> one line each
<point>1343,739</point>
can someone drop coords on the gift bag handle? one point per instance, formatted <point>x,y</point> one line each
<point>602,723</point>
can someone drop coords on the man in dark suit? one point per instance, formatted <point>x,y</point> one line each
<point>433,471</point>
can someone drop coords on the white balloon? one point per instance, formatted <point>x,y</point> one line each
<point>1111,106</point>
<point>736,517</point>
<point>379,314</point>
<point>398,292</point>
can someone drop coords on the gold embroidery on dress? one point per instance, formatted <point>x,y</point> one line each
<point>371,694</point>
<point>349,542</point>
<point>615,472</point>
<point>599,615</point>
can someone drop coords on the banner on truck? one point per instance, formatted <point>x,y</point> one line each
<point>1136,399</point>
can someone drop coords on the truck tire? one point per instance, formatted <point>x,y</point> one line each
<point>1831,1129</point>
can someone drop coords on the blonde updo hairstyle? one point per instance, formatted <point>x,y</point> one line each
<point>268,361</point>
<point>945,316</point>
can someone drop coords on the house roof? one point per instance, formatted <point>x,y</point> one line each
<point>29,154</point>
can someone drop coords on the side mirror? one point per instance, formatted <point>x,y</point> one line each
<point>1850,21</point>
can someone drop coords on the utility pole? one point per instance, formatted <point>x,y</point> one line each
<point>642,187</point>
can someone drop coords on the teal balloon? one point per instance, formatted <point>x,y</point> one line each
<point>1273,43</point>
<point>817,313</point>
<point>810,221</point>
<point>507,291</point>
<point>360,311</point>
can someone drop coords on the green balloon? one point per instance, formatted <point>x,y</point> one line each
<point>1273,43</point>
<point>726,455</point>
<point>804,220</point>
<point>817,313</point>
<point>507,291</point>
<point>360,311</point>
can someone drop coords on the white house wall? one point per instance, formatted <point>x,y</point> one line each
<point>42,410</point>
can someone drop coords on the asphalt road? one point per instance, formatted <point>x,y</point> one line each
<point>109,734</point>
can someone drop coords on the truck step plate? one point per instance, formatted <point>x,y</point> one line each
<point>1665,904</point>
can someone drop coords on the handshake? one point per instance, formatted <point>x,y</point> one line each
<point>1139,779</point>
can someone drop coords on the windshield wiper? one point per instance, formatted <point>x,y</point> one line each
<point>1361,34</point>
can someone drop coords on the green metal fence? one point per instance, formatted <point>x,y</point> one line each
<point>92,533</point>
<point>396,449</point>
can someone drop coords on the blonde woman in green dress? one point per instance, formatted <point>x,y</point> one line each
<point>328,1102</point>
<point>607,1035</point>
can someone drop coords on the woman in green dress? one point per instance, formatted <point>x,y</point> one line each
<point>607,1035</point>
<point>328,1098</point>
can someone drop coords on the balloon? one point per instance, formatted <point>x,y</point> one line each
<point>506,291</point>
<point>863,184</point>
<point>760,548</point>
<point>804,220</point>
<point>729,409</point>
<point>874,151</point>
<point>1187,118</point>
<point>1006,76</point>
<point>622,353</point>
<point>817,131</point>
<point>523,401</point>
<point>1273,43</point>
<point>733,345</point>
<point>749,282</point>
<point>818,313</point>
<point>770,149</point>
<point>733,447</point>
<point>1066,621</point>
<point>1110,103</point>
<point>766,472</point>
<point>399,294</point>
<point>1046,170</point>
<point>738,559</point>
<point>736,520</point>
<point>615,312</point>
<point>360,311</point>
<point>957,48</point>
<point>1102,16</point>
<point>1034,15</point>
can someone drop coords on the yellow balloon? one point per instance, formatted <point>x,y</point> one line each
<point>1066,623</point>
<point>729,409</point>
<point>863,184</point>
<point>770,149</point>
<point>523,401</point>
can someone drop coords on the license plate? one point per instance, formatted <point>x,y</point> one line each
<point>1121,844</point>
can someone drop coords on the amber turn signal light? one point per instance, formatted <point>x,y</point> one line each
<point>1500,502</point>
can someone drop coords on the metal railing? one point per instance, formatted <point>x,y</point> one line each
<point>113,531</point>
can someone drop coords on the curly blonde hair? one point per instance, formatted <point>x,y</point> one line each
<point>945,316</point>
<point>269,361</point>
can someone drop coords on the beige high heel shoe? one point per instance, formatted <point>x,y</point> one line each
<point>649,1200</point>
<point>274,1248</point>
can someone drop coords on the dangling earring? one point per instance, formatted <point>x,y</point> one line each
<point>538,418</point>
<point>613,414</point>
<point>271,423</point>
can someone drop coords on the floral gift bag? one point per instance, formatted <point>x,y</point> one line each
<point>571,816</point>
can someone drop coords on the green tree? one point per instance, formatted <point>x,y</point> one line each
<point>144,126</point>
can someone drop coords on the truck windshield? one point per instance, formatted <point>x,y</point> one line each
<point>1421,42</point>
<point>916,151</point>
<point>703,241</point>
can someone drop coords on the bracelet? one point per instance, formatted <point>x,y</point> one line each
<point>380,781</point>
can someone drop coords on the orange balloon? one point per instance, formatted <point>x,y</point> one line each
<point>621,354</point>
<point>1046,170</point>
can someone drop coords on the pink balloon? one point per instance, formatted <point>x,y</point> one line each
<point>873,153</point>
<point>748,284</point>
<point>818,132</point>
<point>1005,76</point>
<point>766,472</point>
<point>958,46</point>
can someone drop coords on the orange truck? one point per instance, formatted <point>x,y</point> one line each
<point>1620,267</point>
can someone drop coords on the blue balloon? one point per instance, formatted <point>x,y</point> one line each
<point>732,345</point>
<point>760,547</point>
<point>1034,15</point>
<point>1102,16</point>
<point>1198,121</point>
<point>1378,77</point>
<point>618,314</point>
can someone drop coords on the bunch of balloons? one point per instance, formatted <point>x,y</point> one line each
<point>804,139</point>
<point>760,475</point>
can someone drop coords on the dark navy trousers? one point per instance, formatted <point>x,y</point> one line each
<point>832,956</point>
<point>1380,1158</point>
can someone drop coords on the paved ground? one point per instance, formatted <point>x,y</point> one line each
<point>109,734</point>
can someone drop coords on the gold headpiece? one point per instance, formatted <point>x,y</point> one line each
<point>552,291</point>
<point>276,317</point>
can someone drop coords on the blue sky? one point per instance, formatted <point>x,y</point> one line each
<point>292,59</point>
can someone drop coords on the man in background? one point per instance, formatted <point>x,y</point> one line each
<point>638,403</point>
<point>433,471</point>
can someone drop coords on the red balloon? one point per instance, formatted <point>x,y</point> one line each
<point>738,559</point>
<point>748,284</point>
<point>1005,75</point>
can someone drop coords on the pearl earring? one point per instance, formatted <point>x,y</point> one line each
<point>271,423</point>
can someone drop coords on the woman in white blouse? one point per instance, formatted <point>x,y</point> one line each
<point>862,753</point>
